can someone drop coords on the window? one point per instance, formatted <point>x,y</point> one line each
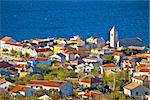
<point>146,93</point>
<point>137,93</point>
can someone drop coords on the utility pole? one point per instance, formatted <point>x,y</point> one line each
<point>114,82</point>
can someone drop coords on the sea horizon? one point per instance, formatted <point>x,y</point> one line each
<point>36,19</point>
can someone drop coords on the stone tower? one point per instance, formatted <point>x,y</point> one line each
<point>113,37</point>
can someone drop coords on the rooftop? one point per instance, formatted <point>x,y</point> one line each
<point>131,86</point>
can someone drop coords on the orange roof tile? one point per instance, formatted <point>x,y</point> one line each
<point>19,88</point>
<point>91,94</point>
<point>6,38</point>
<point>2,80</point>
<point>144,70</point>
<point>41,59</point>
<point>131,86</point>
<point>43,50</point>
<point>109,65</point>
<point>91,80</point>
<point>117,53</point>
<point>15,44</point>
<point>50,83</point>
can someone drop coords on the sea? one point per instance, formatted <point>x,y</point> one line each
<point>30,19</point>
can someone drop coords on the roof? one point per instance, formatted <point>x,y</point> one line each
<point>144,70</point>
<point>130,42</point>
<point>16,44</point>
<point>21,66</point>
<point>109,65</point>
<point>2,80</point>
<point>91,80</point>
<point>42,59</point>
<point>54,83</point>
<point>117,53</point>
<point>20,88</point>
<point>49,83</point>
<point>131,86</point>
<point>4,64</point>
<point>43,50</point>
<point>91,94</point>
<point>143,77</point>
<point>6,38</point>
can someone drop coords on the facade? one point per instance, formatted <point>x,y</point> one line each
<point>106,68</point>
<point>24,48</point>
<point>135,90</point>
<point>89,82</point>
<point>61,86</point>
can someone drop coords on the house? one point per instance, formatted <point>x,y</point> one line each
<point>44,97</point>
<point>20,47</point>
<point>91,94</point>
<point>58,48</point>
<point>44,61</point>
<point>135,90</point>
<point>8,73</point>
<point>7,39</point>
<point>143,71</point>
<point>61,86</point>
<point>69,54</point>
<point>42,42</point>
<point>142,80</point>
<point>22,90</point>
<point>5,65</point>
<point>93,59</point>
<point>58,57</point>
<point>61,41</point>
<point>100,42</point>
<point>78,42</point>
<point>4,83</point>
<point>118,56</point>
<point>84,67</point>
<point>107,68</point>
<point>43,51</point>
<point>90,81</point>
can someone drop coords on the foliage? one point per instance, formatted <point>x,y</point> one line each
<point>109,58</point>
<point>59,74</point>
<point>120,77</point>
<point>95,73</point>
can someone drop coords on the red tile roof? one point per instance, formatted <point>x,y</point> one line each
<point>131,85</point>
<point>109,65</point>
<point>43,50</point>
<point>91,79</point>
<point>91,94</point>
<point>2,80</point>
<point>20,88</point>
<point>53,83</point>
<point>50,83</point>
<point>6,38</point>
<point>16,44</point>
<point>42,59</point>
<point>117,53</point>
<point>144,70</point>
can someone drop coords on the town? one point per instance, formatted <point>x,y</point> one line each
<point>75,69</point>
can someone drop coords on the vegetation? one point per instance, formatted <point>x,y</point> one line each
<point>59,74</point>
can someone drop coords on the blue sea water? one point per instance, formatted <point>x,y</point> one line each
<point>29,19</point>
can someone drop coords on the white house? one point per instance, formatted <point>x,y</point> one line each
<point>135,90</point>
<point>84,67</point>
<point>4,83</point>
<point>108,68</point>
